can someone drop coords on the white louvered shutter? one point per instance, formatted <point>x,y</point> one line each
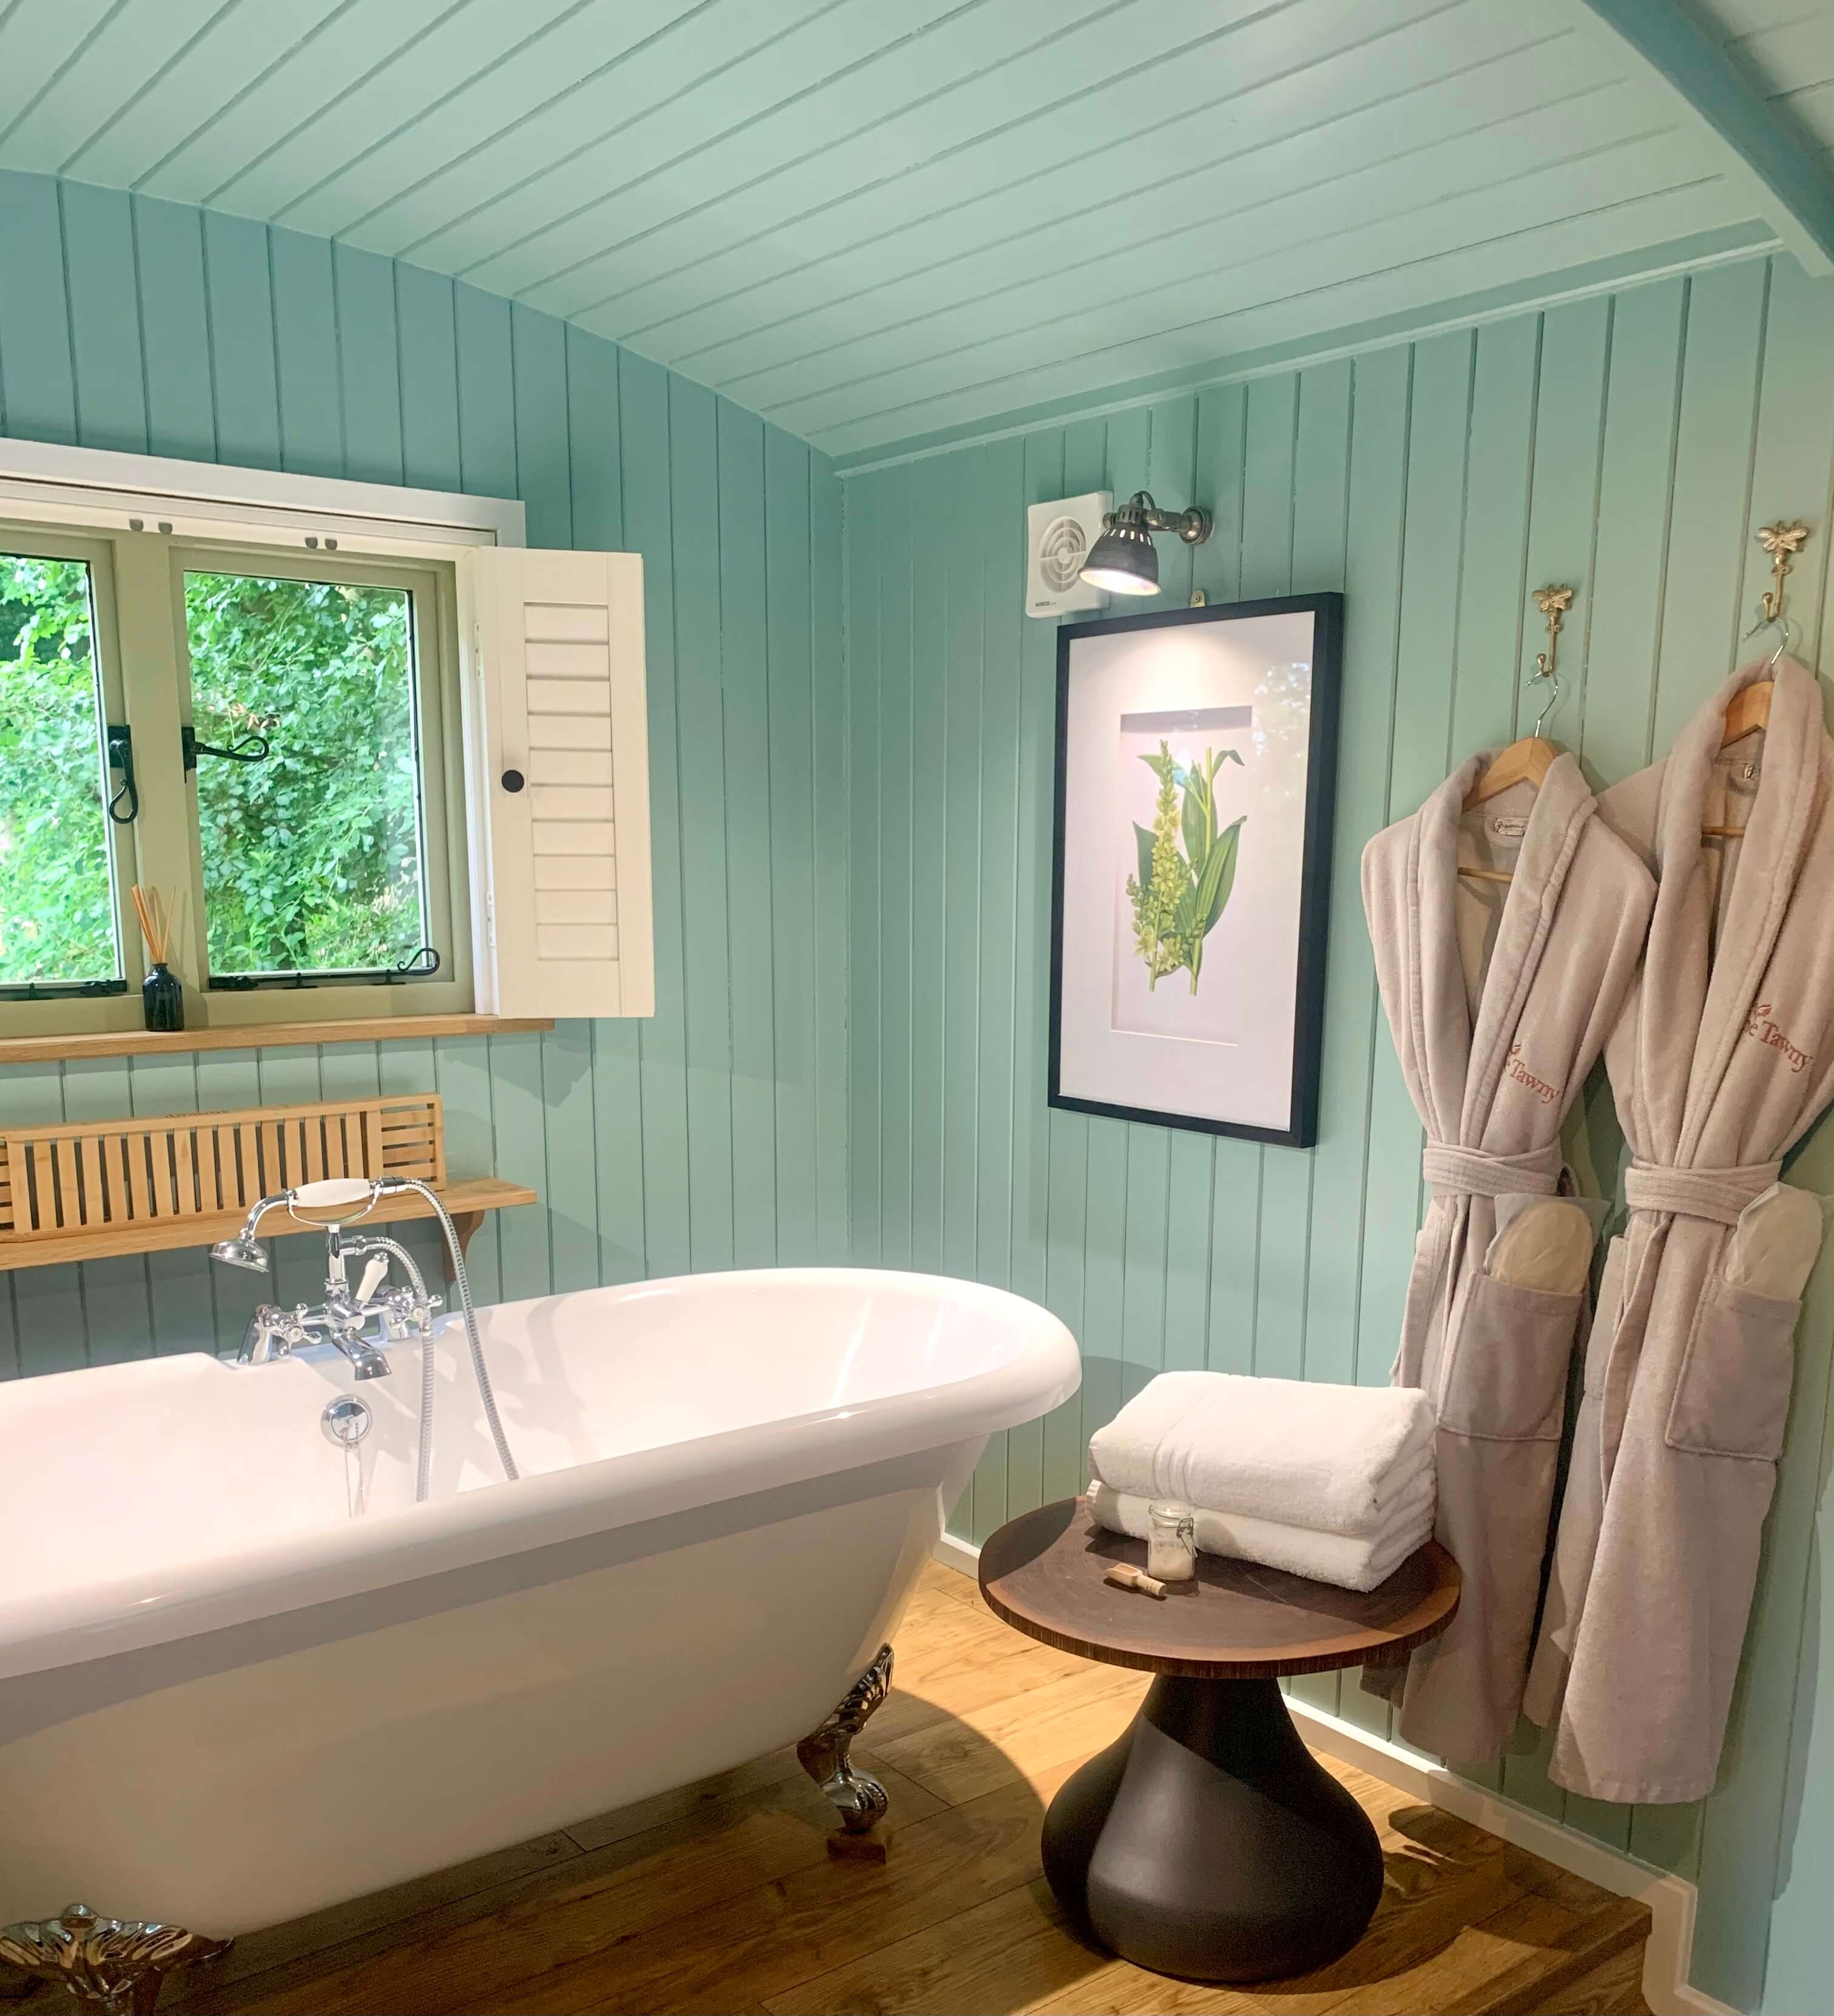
<point>554,696</point>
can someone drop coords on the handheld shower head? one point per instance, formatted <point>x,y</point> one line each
<point>242,1250</point>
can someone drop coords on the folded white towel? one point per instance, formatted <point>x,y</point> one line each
<point>1332,1458</point>
<point>1332,1557</point>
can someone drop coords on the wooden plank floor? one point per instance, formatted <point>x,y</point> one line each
<point>722,1898</point>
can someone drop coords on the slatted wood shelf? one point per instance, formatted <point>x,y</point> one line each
<point>466,1201</point>
<point>257,1036</point>
<point>86,1190</point>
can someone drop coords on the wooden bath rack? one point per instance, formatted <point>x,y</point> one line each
<point>88,1190</point>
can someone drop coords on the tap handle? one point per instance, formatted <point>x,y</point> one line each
<point>373,1276</point>
<point>333,1200</point>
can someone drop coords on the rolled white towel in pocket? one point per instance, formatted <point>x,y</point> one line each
<point>1330,1459</point>
<point>1345,1561</point>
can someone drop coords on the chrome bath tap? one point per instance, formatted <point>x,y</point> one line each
<point>358,1322</point>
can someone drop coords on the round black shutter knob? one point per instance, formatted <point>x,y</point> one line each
<point>513,781</point>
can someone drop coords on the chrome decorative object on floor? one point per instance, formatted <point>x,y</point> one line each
<point>860,1800</point>
<point>115,1964</point>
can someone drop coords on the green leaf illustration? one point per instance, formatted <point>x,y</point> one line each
<point>1219,875</point>
<point>1143,840</point>
<point>1195,821</point>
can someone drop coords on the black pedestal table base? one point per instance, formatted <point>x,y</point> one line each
<point>1208,1843</point>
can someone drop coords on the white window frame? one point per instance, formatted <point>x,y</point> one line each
<point>78,490</point>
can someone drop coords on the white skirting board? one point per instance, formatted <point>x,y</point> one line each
<point>1670,1899</point>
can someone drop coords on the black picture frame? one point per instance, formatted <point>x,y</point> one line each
<point>1327,680</point>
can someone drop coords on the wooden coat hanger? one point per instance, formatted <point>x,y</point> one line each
<point>1750,708</point>
<point>1527,760</point>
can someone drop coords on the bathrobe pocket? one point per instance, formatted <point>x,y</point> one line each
<point>1733,1396</point>
<point>1507,1378</point>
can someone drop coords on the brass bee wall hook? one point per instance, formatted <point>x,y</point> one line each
<point>1553,602</point>
<point>1783,541</point>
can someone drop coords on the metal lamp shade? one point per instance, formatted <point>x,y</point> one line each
<point>1124,561</point>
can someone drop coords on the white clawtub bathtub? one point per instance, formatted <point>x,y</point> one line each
<point>243,1676</point>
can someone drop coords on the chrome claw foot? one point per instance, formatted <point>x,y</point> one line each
<point>112,1964</point>
<point>860,1800</point>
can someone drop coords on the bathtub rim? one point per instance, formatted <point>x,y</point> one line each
<point>100,1616</point>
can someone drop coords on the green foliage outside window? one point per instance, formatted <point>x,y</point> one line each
<point>312,858</point>
<point>56,907</point>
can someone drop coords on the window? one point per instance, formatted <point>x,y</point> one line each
<point>59,907</point>
<point>268,737</point>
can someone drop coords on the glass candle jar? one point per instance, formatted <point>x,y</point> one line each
<point>1171,1546</point>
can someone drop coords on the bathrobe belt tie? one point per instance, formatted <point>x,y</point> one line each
<point>1475,1172</point>
<point>1717,1195</point>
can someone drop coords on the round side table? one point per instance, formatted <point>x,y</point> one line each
<point>1207,1842</point>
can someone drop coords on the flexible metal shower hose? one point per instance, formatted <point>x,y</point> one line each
<point>479,1370</point>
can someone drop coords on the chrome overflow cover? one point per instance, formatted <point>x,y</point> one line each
<point>346,1421</point>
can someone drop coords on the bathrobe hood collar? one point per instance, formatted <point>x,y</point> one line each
<point>1460,1067</point>
<point>1689,982</point>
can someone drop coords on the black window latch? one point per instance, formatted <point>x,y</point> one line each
<point>120,757</point>
<point>250,749</point>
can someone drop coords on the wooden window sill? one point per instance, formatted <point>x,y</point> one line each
<point>260,1036</point>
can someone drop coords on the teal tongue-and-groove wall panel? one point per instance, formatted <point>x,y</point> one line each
<point>1627,444</point>
<point>711,1135</point>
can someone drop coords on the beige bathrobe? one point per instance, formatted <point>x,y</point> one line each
<point>1499,997</point>
<point>1722,1059</point>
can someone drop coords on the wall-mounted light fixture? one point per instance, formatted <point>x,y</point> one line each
<point>1124,560</point>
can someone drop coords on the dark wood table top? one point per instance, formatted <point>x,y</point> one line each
<point>1043,1574</point>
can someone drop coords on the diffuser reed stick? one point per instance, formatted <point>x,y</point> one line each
<point>155,924</point>
<point>161,991</point>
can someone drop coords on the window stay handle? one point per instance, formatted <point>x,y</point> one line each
<point>250,749</point>
<point>120,757</point>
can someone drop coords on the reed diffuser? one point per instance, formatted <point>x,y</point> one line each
<point>162,993</point>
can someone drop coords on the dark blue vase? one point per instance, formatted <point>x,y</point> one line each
<point>162,994</point>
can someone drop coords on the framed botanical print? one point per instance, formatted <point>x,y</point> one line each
<point>1196,774</point>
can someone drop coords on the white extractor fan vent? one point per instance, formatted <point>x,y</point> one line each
<point>1058,539</point>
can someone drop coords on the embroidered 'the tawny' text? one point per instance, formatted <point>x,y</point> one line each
<point>1758,1024</point>
<point>1522,1075</point>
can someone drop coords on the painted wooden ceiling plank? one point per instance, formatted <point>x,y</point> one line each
<point>577,46</point>
<point>286,95</point>
<point>1072,80</point>
<point>1617,252</point>
<point>1311,313</point>
<point>1790,187</point>
<point>776,93</point>
<point>1168,100</point>
<point>1231,367</point>
<point>38,38</point>
<point>1744,17</point>
<point>1016,79</point>
<point>115,62</point>
<point>864,112</point>
<point>1033,118</point>
<point>387,103</point>
<point>1284,201</point>
<point>1783,59</point>
<point>1090,221</point>
<point>1814,108</point>
<point>1177,316</point>
<point>217,68</point>
<point>1274,98</point>
<point>522,176</point>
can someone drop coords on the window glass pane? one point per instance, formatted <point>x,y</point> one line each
<point>312,857</point>
<point>57,908</point>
